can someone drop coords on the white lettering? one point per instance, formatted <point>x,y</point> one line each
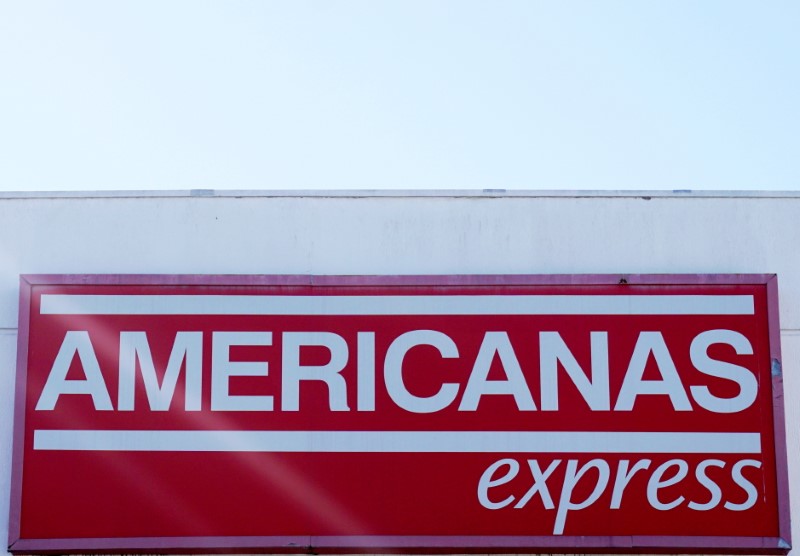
<point>666,475</point>
<point>188,346</point>
<point>479,385</point>
<point>571,479</point>
<point>553,350</point>
<point>747,486</point>
<point>222,369</point>
<point>486,482</point>
<point>539,484</point>
<point>623,478</point>
<point>366,371</point>
<point>655,483</point>
<point>294,372</point>
<point>711,486</point>
<point>744,378</point>
<point>75,342</point>
<point>393,371</point>
<point>634,385</point>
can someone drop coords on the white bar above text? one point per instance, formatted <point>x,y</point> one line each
<point>58,304</point>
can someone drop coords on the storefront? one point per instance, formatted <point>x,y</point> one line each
<point>643,259</point>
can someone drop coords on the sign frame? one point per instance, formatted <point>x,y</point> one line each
<point>404,544</point>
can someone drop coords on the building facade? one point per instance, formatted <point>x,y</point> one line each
<point>402,233</point>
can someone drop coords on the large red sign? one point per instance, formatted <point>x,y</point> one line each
<point>436,414</point>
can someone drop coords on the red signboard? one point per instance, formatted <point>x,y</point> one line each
<point>405,414</point>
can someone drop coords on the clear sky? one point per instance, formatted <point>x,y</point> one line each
<point>399,94</point>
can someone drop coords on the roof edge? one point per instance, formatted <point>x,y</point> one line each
<point>409,193</point>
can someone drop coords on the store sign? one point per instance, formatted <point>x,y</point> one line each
<point>410,414</point>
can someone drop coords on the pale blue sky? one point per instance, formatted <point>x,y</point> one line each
<point>399,94</point>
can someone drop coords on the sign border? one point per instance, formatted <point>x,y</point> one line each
<point>406,544</point>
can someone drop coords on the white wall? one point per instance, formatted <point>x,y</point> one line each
<point>401,233</point>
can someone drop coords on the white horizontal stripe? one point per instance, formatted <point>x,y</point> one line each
<point>397,305</point>
<point>400,441</point>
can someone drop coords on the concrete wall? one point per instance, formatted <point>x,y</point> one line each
<point>401,233</point>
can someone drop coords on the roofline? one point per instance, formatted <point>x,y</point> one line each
<point>403,193</point>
